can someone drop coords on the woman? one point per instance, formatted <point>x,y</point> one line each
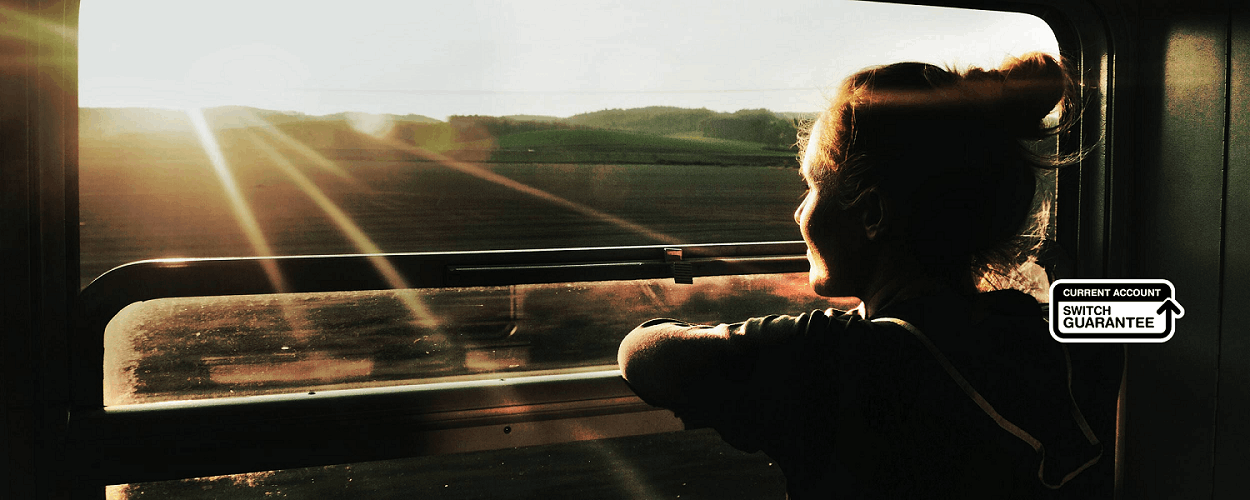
<point>921,193</point>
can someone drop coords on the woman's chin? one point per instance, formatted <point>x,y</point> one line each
<point>825,287</point>
<point>820,285</point>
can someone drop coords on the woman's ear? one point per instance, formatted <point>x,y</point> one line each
<point>874,214</point>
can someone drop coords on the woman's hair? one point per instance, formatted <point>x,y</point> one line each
<point>954,153</point>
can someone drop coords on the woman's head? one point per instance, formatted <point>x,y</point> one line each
<point>933,165</point>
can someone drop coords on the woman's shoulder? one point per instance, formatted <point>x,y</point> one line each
<point>812,326</point>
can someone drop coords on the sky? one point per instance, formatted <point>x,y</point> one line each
<point>536,57</point>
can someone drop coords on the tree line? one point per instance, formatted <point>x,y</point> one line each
<point>753,125</point>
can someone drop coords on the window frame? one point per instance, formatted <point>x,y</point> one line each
<point>399,421</point>
<point>202,438</point>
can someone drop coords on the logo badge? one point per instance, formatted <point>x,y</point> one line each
<point>1111,310</point>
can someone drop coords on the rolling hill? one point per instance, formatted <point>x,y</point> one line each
<point>654,135</point>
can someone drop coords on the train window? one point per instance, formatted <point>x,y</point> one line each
<point>256,129</point>
<point>304,128</point>
<point>257,178</point>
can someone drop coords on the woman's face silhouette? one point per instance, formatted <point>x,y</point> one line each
<point>834,240</point>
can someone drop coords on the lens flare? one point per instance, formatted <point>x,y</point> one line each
<point>488,176</point>
<point>421,313</point>
<point>627,475</point>
<point>242,214</point>
<point>310,154</point>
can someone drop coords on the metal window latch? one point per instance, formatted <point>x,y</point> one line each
<point>683,271</point>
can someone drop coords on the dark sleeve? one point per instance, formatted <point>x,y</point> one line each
<point>748,380</point>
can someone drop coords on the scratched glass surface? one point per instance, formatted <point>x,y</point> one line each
<point>213,347</point>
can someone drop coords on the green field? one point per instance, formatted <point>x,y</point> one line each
<point>153,203</point>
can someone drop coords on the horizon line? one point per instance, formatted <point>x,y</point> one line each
<point>303,113</point>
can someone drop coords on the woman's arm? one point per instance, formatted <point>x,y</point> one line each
<point>681,366</point>
<point>671,364</point>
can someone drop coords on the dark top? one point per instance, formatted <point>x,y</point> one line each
<point>850,408</point>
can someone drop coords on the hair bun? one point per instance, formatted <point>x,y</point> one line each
<point>1032,86</point>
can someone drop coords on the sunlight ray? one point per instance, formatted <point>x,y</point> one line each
<point>242,214</point>
<point>295,319</point>
<point>421,313</point>
<point>487,175</point>
<point>626,474</point>
<point>311,154</point>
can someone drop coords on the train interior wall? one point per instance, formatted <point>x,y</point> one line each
<point>1181,180</point>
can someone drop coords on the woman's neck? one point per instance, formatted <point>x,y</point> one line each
<point>894,291</point>
<point>899,279</point>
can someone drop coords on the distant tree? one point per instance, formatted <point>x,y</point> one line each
<point>754,125</point>
<point>661,120</point>
<point>475,127</point>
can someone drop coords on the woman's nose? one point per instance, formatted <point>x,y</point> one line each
<point>798,212</point>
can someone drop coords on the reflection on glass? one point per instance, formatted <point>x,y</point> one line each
<point>211,347</point>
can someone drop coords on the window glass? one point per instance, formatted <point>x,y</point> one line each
<point>212,347</point>
<point>238,128</point>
